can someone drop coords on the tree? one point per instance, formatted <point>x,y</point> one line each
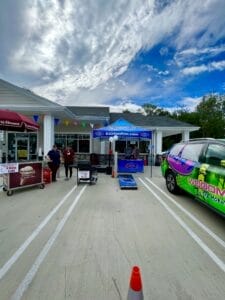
<point>211,116</point>
<point>153,110</point>
<point>192,118</point>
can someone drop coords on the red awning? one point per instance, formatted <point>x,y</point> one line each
<point>13,121</point>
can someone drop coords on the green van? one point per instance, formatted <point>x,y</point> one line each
<point>197,167</point>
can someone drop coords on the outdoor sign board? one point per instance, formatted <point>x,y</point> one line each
<point>130,165</point>
<point>122,129</point>
<point>9,168</point>
<point>27,174</point>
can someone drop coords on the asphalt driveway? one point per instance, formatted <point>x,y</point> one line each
<point>80,242</point>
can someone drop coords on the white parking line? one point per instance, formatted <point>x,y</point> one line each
<point>33,270</point>
<point>210,253</point>
<point>206,229</point>
<point>24,246</point>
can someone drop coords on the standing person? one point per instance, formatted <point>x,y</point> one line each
<point>68,156</point>
<point>135,152</point>
<point>54,163</point>
<point>128,152</point>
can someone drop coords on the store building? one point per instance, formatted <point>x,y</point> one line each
<point>73,125</point>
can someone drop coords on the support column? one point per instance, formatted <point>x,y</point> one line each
<point>158,148</point>
<point>48,133</point>
<point>91,144</point>
<point>102,149</point>
<point>185,135</point>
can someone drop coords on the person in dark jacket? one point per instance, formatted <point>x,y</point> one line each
<point>68,156</point>
<point>54,163</point>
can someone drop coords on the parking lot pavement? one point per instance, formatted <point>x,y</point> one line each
<point>148,171</point>
<point>81,243</point>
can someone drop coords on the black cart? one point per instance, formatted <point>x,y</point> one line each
<point>86,173</point>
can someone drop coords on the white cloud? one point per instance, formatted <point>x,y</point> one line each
<point>218,65</point>
<point>213,66</point>
<point>166,72</point>
<point>194,70</point>
<point>163,51</point>
<point>131,107</point>
<point>74,51</point>
<point>193,56</point>
<point>208,50</point>
<point>104,94</point>
<point>190,103</point>
<point>202,23</point>
<point>187,103</point>
<point>96,43</point>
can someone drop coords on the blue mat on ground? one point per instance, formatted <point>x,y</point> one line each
<point>127,181</point>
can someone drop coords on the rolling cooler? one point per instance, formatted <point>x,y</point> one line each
<point>86,173</point>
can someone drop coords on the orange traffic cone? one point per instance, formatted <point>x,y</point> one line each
<point>135,289</point>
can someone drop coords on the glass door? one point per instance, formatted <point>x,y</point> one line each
<point>22,149</point>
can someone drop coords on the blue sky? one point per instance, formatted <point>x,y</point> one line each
<point>119,53</point>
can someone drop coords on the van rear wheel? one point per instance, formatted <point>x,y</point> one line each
<point>171,183</point>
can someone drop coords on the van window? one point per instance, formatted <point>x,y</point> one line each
<point>176,149</point>
<point>192,151</point>
<point>214,154</point>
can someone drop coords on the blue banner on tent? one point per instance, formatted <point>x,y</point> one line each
<point>122,129</point>
<point>130,165</point>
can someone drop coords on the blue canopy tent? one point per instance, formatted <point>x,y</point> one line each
<point>122,129</point>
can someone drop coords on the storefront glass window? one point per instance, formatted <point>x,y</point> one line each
<point>11,146</point>
<point>33,146</point>
<point>83,146</point>
<point>122,145</point>
<point>60,141</point>
<point>143,146</point>
<point>79,142</point>
<point>22,146</point>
